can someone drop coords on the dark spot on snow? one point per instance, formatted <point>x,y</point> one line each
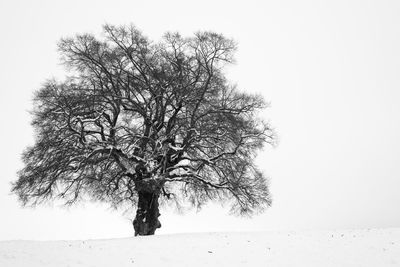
<point>209,251</point>
<point>342,235</point>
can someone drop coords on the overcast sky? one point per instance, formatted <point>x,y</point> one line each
<point>330,69</point>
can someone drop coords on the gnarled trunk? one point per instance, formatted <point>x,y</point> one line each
<point>146,221</point>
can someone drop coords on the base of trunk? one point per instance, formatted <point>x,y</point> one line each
<point>146,221</point>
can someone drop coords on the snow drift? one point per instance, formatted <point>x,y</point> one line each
<point>370,247</point>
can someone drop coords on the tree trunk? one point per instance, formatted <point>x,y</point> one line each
<point>146,221</point>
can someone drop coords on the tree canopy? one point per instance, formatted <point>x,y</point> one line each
<point>136,121</point>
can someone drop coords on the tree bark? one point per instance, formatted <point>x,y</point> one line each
<point>146,221</point>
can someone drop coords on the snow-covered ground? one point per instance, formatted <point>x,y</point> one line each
<point>370,247</point>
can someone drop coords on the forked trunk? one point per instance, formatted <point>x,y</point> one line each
<point>146,221</point>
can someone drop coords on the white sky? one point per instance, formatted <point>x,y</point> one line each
<point>329,68</point>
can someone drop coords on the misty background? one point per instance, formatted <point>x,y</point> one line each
<point>330,70</point>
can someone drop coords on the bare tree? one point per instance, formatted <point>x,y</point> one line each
<point>137,122</point>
